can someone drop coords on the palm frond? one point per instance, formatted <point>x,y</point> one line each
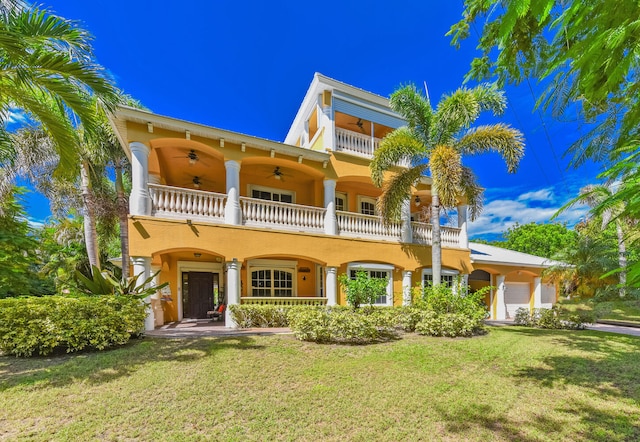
<point>505,140</point>
<point>446,171</point>
<point>472,191</point>
<point>490,98</point>
<point>399,145</point>
<point>414,108</point>
<point>397,190</point>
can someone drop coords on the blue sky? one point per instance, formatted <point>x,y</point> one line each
<point>245,66</point>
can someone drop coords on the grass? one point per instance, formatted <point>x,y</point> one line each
<point>512,384</point>
<point>625,311</point>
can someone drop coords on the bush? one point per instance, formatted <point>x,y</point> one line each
<point>448,324</point>
<point>342,324</point>
<point>363,289</point>
<point>261,316</point>
<point>553,318</point>
<point>40,326</point>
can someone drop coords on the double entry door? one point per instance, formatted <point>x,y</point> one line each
<point>200,293</point>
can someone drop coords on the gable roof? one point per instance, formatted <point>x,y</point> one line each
<point>486,254</point>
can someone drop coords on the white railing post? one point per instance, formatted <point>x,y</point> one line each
<point>139,201</point>
<point>232,213</point>
<point>332,285</point>
<point>330,220</point>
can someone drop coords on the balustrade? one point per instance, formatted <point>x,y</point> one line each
<point>175,202</point>
<point>367,226</point>
<point>259,213</point>
<point>268,300</point>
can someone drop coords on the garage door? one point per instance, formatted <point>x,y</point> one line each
<point>516,295</point>
<point>548,295</point>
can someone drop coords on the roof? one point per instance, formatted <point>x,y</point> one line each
<point>486,254</point>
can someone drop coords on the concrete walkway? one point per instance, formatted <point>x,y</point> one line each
<point>207,328</point>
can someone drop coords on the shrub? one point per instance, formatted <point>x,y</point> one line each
<point>249,315</point>
<point>448,324</point>
<point>363,289</point>
<point>553,318</point>
<point>341,324</point>
<point>40,326</point>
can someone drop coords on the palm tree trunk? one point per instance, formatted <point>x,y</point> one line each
<point>622,259</point>
<point>123,215</point>
<point>90,233</point>
<point>436,243</point>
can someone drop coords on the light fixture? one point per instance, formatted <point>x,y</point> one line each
<point>417,201</point>
<point>193,157</point>
<point>196,182</point>
<point>197,255</point>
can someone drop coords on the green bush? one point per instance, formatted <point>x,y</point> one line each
<point>34,325</point>
<point>363,289</point>
<point>260,316</point>
<point>553,318</point>
<point>342,324</point>
<point>448,324</point>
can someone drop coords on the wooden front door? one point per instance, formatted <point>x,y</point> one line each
<point>197,296</point>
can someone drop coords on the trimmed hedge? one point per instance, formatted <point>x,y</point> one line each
<point>260,316</point>
<point>553,318</point>
<point>342,324</point>
<point>34,325</point>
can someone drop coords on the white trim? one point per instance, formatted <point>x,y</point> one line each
<point>193,266</point>
<point>344,196</point>
<point>272,190</point>
<point>368,266</point>
<point>320,282</point>
<point>273,264</point>
<point>366,199</point>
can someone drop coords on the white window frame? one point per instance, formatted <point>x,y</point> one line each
<point>443,272</point>
<point>343,195</point>
<point>367,199</point>
<point>272,190</point>
<point>320,282</point>
<point>367,267</point>
<point>273,264</point>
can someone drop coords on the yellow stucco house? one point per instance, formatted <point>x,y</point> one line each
<point>228,216</point>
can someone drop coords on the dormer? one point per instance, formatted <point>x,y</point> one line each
<point>337,117</point>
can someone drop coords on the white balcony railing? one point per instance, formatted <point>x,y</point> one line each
<point>175,202</point>
<point>355,143</point>
<point>268,300</point>
<point>367,226</point>
<point>262,213</point>
<point>179,203</point>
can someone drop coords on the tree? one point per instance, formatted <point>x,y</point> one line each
<point>19,260</point>
<point>590,57</point>
<point>546,240</point>
<point>363,289</point>
<point>47,70</point>
<point>434,142</point>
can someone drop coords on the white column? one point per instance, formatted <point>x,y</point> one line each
<point>407,231</point>
<point>332,285</point>
<point>326,122</point>
<point>232,213</point>
<point>330,219</point>
<point>232,290</point>
<point>141,270</point>
<point>406,287</point>
<point>139,202</point>
<point>501,307</point>
<point>537,292</point>
<point>156,304</point>
<point>462,225</point>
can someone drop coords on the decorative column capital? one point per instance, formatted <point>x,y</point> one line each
<point>138,147</point>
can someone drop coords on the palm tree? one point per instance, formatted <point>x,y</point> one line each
<point>47,71</point>
<point>434,141</point>
<point>598,199</point>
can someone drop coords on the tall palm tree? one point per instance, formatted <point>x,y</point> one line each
<point>434,141</point>
<point>47,71</point>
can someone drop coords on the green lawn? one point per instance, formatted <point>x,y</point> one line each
<point>512,384</point>
<point>626,311</point>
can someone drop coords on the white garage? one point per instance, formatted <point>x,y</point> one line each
<point>548,295</point>
<point>516,295</point>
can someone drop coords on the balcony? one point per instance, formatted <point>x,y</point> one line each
<point>356,143</point>
<point>182,204</point>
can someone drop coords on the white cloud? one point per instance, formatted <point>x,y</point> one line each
<point>536,206</point>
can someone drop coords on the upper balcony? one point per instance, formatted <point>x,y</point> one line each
<point>196,205</point>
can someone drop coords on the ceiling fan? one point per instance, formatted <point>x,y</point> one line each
<point>196,181</point>
<point>360,124</point>
<point>193,157</point>
<point>277,174</point>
